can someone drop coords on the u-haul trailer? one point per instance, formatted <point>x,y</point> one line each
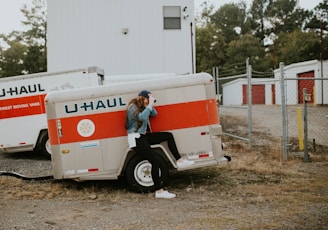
<point>22,113</point>
<point>89,142</point>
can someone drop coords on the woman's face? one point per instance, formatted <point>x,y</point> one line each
<point>146,101</point>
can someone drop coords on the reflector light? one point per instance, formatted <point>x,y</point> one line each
<point>200,156</point>
<point>22,143</point>
<point>204,133</point>
<point>93,170</point>
<point>65,151</point>
<point>87,170</point>
<point>203,155</point>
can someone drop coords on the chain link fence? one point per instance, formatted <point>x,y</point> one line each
<point>284,110</point>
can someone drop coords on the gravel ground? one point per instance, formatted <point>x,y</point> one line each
<point>223,198</point>
<point>255,191</point>
<point>268,119</point>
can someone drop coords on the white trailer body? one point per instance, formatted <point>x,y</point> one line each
<point>89,141</point>
<point>123,37</point>
<point>22,113</point>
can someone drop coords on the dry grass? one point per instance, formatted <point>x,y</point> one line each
<point>257,189</point>
<point>251,171</point>
<point>258,182</point>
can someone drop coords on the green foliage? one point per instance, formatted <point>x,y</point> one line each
<point>210,48</point>
<point>35,37</point>
<point>297,47</point>
<point>12,58</point>
<point>285,16</point>
<point>230,21</point>
<point>248,46</point>
<point>269,32</point>
<point>257,17</point>
<point>25,52</point>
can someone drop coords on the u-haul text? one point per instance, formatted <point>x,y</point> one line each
<point>22,90</point>
<point>95,105</point>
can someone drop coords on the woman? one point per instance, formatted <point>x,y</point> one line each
<point>141,138</point>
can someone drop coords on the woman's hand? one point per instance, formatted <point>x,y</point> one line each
<point>152,100</point>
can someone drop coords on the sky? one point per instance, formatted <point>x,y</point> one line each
<point>11,16</point>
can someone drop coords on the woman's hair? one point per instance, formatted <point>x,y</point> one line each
<point>139,102</point>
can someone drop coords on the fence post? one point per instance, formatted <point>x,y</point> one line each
<point>305,140</point>
<point>283,111</point>
<point>214,76</point>
<point>215,71</point>
<point>249,104</point>
<point>217,82</point>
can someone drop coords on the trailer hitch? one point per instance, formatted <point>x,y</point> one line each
<point>23,177</point>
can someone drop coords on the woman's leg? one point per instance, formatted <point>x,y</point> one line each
<point>158,137</point>
<point>144,149</point>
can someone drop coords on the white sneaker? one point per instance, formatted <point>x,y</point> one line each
<point>165,195</point>
<point>185,163</point>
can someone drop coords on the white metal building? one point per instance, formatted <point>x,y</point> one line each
<point>235,92</point>
<point>122,36</point>
<point>267,91</point>
<point>294,89</point>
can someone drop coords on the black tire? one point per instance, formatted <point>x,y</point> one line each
<point>138,174</point>
<point>43,147</point>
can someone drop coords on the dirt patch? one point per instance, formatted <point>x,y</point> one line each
<point>257,190</point>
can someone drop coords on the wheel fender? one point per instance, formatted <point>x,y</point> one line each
<point>158,147</point>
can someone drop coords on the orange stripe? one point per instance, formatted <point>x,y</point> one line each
<point>185,115</point>
<point>111,124</point>
<point>213,113</point>
<point>107,125</point>
<point>23,106</point>
<point>52,132</point>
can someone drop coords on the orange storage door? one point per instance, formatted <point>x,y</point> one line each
<point>307,84</point>
<point>258,94</point>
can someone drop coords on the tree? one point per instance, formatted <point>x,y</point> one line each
<point>285,16</point>
<point>210,48</point>
<point>318,20</point>
<point>230,20</point>
<point>272,31</point>
<point>248,46</point>
<point>205,15</point>
<point>297,47</point>
<point>257,17</point>
<point>36,36</point>
<point>12,58</point>
<point>25,52</point>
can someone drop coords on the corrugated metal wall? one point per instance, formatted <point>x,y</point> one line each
<point>90,32</point>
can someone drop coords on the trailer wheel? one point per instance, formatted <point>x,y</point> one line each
<point>138,174</point>
<point>43,147</point>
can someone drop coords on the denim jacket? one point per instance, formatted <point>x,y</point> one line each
<point>142,116</point>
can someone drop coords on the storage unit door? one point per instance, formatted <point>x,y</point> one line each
<point>258,94</point>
